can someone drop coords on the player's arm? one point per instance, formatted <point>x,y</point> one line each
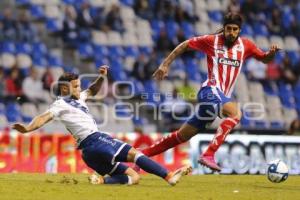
<point>269,56</point>
<point>36,123</point>
<point>96,85</point>
<point>163,69</point>
<point>254,51</point>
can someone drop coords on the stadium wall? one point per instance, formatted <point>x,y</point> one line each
<point>57,153</point>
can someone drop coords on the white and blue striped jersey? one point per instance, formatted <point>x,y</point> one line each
<point>75,116</point>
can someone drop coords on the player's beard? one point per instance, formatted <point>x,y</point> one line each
<point>230,40</point>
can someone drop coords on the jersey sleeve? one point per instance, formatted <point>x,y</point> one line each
<point>84,95</point>
<point>253,51</point>
<point>56,108</point>
<point>200,43</point>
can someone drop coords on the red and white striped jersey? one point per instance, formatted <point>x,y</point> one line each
<point>224,64</point>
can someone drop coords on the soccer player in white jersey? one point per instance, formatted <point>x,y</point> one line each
<point>100,152</point>
<point>226,52</point>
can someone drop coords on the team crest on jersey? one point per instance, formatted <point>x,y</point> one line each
<point>239,47</point>
<point>228,61</point>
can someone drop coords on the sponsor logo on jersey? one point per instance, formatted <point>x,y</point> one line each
<point>228,61</point>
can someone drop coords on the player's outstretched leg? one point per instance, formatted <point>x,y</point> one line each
<point>185,132</point>
<point>207,158</point>
<point>164,144</point>
<point>153,167</point>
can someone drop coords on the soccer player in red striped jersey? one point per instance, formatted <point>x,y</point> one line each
<point>226,52</point>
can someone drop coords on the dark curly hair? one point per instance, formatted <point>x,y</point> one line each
<point>66,77</point>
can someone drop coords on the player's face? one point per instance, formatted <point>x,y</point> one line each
<point>75,88</point>
<point>231,32</point>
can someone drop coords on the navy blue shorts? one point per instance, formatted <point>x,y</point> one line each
<point>103,154</point>
<point>210,101</point>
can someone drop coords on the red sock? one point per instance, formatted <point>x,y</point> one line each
<point>224,129</point>
<point>164,144</point>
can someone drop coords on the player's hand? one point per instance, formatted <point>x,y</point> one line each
<point>274,49</point>
<point>161,72</point>
<point>103,70</point>
<point>20,127</point>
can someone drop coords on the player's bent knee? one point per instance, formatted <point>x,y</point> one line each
<point>239,115</point>
<point>235,114</point>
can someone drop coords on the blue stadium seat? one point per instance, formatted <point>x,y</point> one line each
<point>145,50</point>
<point>115,51</point>
<point>22,2</point>
<point>39,61</point>
<point>172,27</point>
<point>215,15</point>
<point>39,49</point>
<point>152,3</point>
<point>13,113</point>
<point>139,121</point>
<point>86,51</point>
<point>260,29</point>
<point>199,55</point>
<point>85,82</point>
<point>286,95</point>
<point>296,91</point>
<point>123,110</point>
<point>8,47</point>
<point>102,61</point>
<point>116,69</point>
<point>100,51</point>
<point>294,57</point>
<point>84,35</point>
<point>22,47</point>
<point>150,87</point>
<point>178,64</point>
<point>203,75</point>
<point>261,124</point>
<point>297,14</point>
<point>138,87</point>
<point>131,51</point>
<point>53,26</point>
<point>288,17</point>
<point>26,119</point>
<point>127,2</point>
<point>37,12</point>
<point>192,70</point>
<point>188,29</point>
<point>156,26</point>
<point>279,57</point>
<point>247,30</point>
<point>69,2</point>
<point>276,125</point>
<point>245,123</point>
<point>270,89</point>
<point>54,61</point>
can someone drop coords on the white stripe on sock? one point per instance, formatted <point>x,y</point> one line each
<point>137,156</point>
<point>129,180</point>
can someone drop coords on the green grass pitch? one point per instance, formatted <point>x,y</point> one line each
<point>206,187</point>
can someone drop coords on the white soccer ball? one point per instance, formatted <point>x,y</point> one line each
<point>277,171</point>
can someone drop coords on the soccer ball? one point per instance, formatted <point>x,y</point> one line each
<point>277,171</point>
